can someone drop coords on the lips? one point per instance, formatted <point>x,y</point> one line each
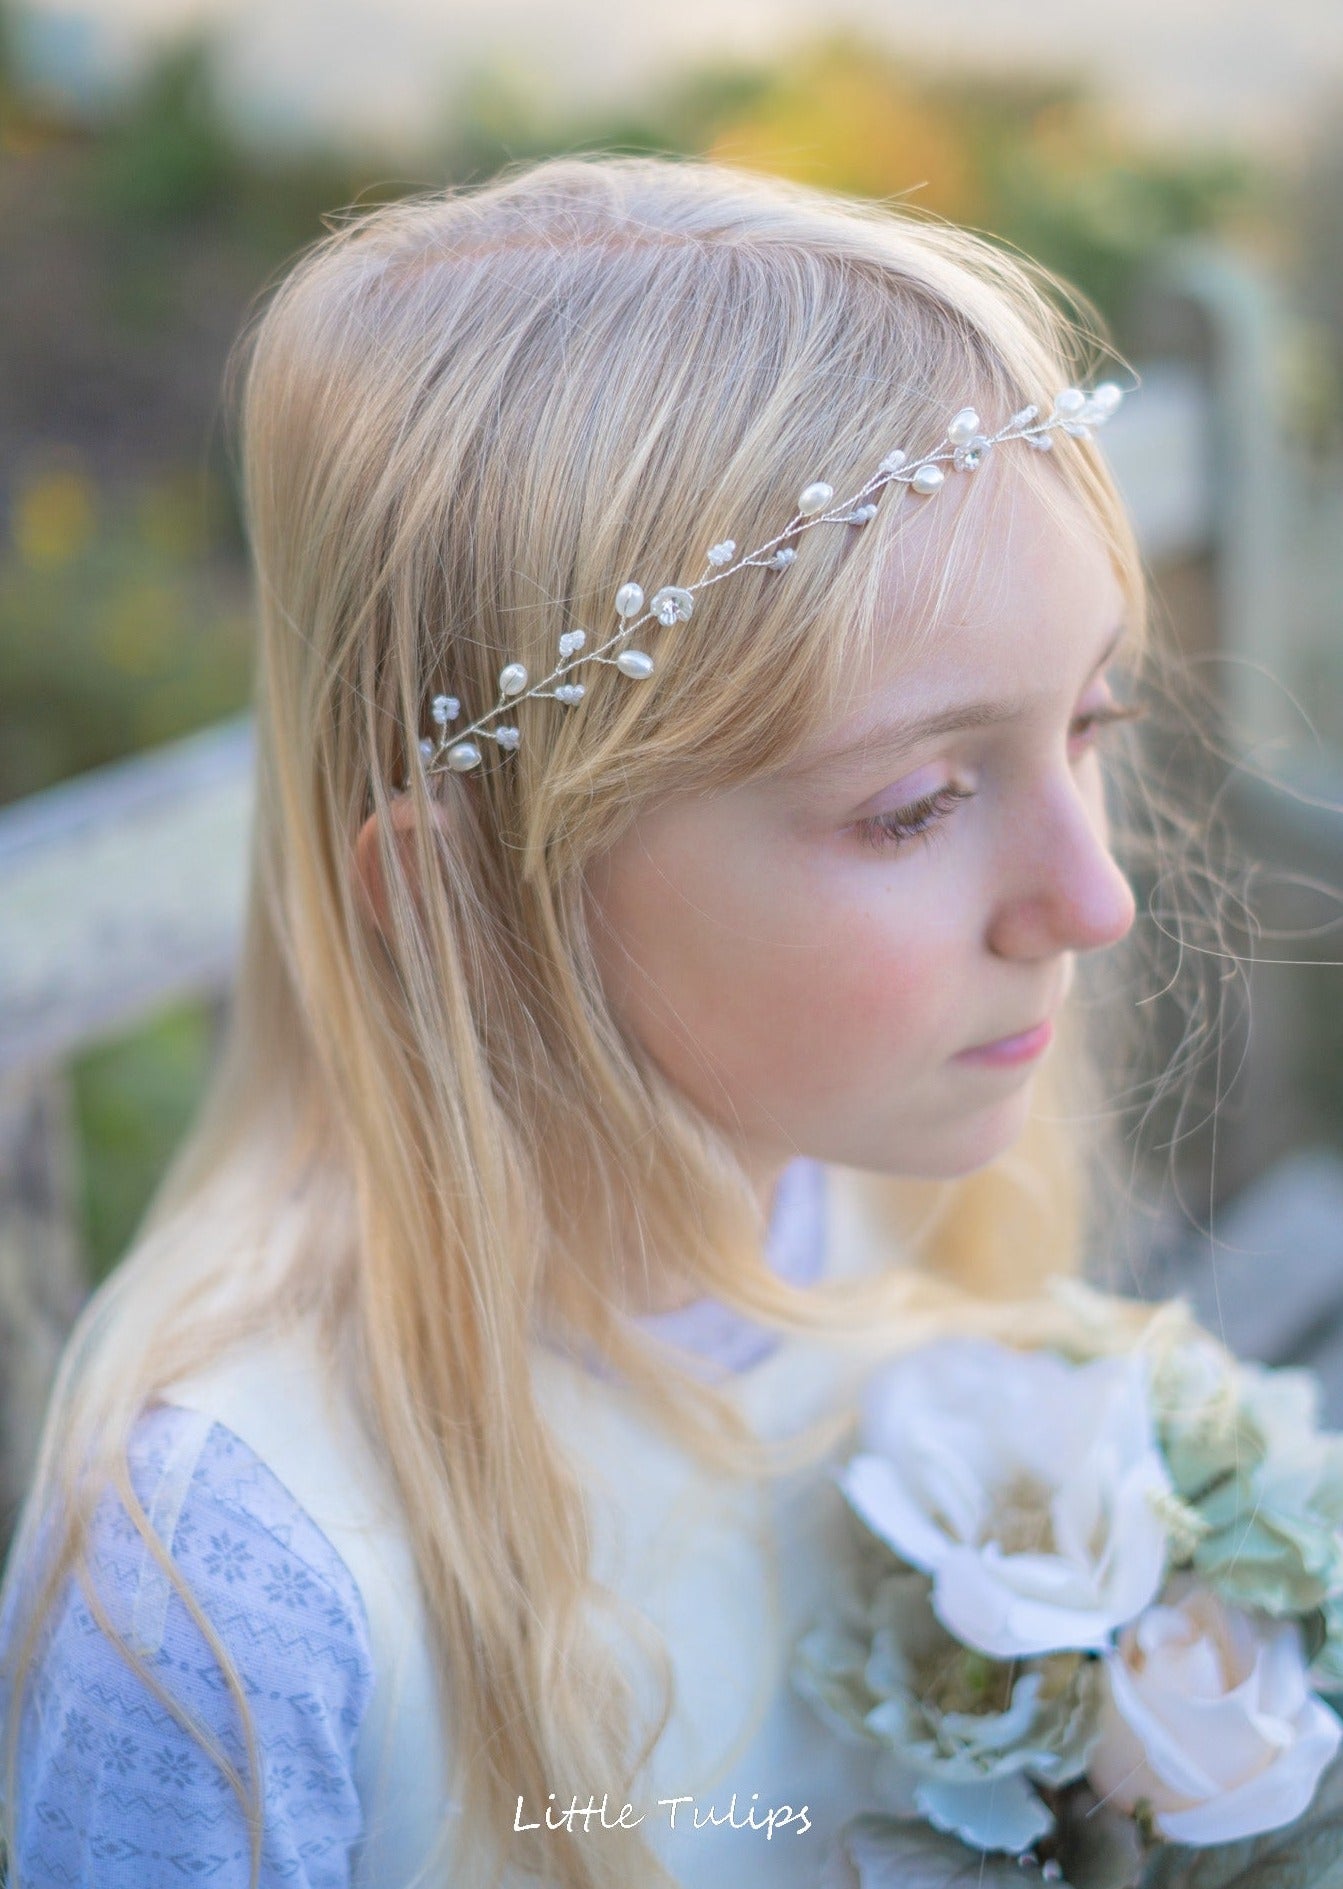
<point>1022,1047</point>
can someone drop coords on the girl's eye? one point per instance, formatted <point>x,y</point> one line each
<point>1105,716</point>
<point>915,822</point>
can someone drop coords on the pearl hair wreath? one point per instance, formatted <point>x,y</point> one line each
<point>965,445</point>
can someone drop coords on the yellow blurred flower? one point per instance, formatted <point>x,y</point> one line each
<point>841,120</point>
<point>55,516</point>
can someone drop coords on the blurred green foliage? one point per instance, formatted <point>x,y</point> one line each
<point>131,1097</point>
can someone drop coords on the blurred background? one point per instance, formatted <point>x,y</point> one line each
<point>1181,161</point>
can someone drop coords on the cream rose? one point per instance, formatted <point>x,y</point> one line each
<point>1207,1714</point>
<point>1029,1488</point>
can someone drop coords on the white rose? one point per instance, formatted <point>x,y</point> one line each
<point>1027,1486</point>
<point>1208,1715</point>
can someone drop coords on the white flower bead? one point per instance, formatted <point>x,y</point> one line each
<point>572,640</point>
<point>962,429</point>
<point>862,516</point>
<point>723,553</point>
<point>814,498</point>
<point>893,461</point>
<point>1071,400</point>
<point>927,479</point>
<point>671,605</point>
<point>445,708</point>
<point>512,679</point>
<point>463,755</point>
<point>569,693</point>
<point>782,559</point>
<point>634,663</point>
<point>507,737</point>
<point>629,600</point>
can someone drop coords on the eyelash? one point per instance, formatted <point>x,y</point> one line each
<point>921,819</point>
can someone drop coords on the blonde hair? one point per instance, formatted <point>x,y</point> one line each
<point>466,417</point>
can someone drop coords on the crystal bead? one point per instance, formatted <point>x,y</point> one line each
<point>814,498</point>
<point>445,708</point>
<point>426,749</point>
<point>962,429</point>
<point>671,605</point>
<point>512,679</point>
<point>569,693</point>
<point>927,479</point>
<point>507,736</point>
<point>463,755</point>
<point>629,600</point>
<point>634,663</point>
<point>572,640</point>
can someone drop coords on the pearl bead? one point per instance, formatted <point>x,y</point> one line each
<point>634,663</point>
<point>512,679</point>
<point>445,708</point>
<point>814,498</point>
<point>463,755</point>
<point>963,427</point>
<point>671,605</point>
<point>1107,396</point>
<point>1071,400</point>
<point>629,600</point>
<point>927,479</point>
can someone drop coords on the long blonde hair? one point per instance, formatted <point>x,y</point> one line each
<point>466,417</point>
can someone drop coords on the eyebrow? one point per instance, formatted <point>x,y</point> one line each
<point>892,736</point>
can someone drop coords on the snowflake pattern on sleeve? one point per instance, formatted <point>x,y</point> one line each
<point>111,1789</point>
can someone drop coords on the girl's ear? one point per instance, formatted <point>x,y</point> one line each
<point>370,885</point>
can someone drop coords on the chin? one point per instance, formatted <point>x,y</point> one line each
<point>959,1147</point>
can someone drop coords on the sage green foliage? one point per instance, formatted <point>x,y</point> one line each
<point>1263,1485</point>
<point>1306,1855</point>
<point>883,1670</point>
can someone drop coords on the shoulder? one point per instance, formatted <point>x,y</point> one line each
<point>111,1786</point>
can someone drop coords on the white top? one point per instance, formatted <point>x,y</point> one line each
<point>730,1574</point>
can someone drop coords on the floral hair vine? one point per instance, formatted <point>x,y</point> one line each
<point>964,447</point>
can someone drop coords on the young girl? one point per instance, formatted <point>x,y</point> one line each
<point>436,1491</point>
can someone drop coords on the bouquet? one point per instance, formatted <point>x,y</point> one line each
<point>1092,1619</point>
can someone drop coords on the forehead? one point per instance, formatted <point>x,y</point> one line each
<point>1004,600</point>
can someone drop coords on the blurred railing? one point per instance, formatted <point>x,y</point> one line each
<point>122,891</point>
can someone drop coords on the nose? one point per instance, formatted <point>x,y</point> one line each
<point>1064,889</point>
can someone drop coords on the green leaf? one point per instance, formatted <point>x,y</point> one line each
<point>885,1853</point>
<point>1306,1855</point>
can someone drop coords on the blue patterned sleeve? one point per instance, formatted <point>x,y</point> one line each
<point>111,1790</point>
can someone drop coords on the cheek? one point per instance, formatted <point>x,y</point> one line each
<point>801,983</point>
<point>856,994</point>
